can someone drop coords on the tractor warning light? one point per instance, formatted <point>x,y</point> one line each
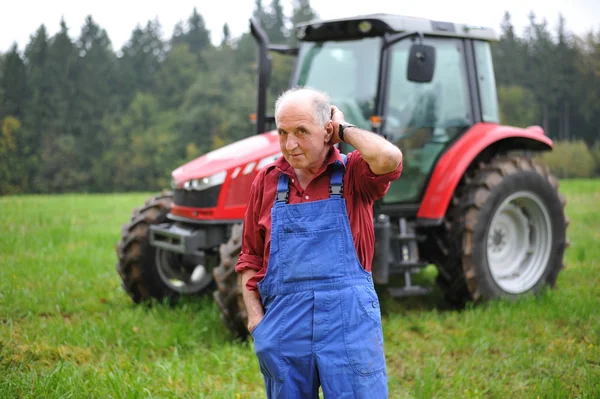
<point>375,121</point>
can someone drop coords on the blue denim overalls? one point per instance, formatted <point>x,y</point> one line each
<point>322,323</point>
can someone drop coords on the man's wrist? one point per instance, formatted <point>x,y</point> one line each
<point>343,126</point>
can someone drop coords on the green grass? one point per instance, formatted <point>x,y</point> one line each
<point>68,330</point>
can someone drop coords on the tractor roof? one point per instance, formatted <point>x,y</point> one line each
<point>356,27</point>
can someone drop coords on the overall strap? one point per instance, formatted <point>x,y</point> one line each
<point>336,185</point>
<point>283,189</point>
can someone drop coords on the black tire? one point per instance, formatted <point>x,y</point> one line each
<point>466,274</point>
<point>228,294</point>
<point>138,261</point>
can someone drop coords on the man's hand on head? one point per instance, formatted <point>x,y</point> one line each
<point>337,117</point>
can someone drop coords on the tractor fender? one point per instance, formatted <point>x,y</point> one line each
<point>452,165</point>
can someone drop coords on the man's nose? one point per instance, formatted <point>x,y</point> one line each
<point>291,142</point>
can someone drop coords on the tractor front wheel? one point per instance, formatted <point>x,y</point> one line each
<point>508,228</point>
<point>228,295</point>
<point>148,272</point>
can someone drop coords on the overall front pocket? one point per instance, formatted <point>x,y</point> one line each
<point>267,341</point>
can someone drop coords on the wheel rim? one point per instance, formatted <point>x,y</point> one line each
<point>518,242</point>
<point>179,278</point>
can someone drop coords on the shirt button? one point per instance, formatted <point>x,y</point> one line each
<point>306,197</point>
<point>374,304</point>
<point>292,180</point>
<point>368,278</point>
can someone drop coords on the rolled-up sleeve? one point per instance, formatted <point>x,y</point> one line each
<point>371,185</point>
<point>253,242</point>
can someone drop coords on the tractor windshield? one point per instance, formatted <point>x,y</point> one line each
<point>346,71</point>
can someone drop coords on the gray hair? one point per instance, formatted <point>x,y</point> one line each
<point>321,103</point>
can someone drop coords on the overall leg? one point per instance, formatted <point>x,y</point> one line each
<point>351,361</point>
<point>283,345</point>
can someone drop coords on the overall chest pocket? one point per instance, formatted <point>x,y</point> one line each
<point>312,253</point>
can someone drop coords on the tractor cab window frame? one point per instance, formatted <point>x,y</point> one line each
<point>486,81</point>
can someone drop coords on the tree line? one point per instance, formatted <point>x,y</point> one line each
<point>80,116</point>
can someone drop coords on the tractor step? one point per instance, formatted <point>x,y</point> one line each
<point>400,292</point>
<point>398,252</point>
<point>408,237</point>
<point>404,266</point>
<point>408,289</point>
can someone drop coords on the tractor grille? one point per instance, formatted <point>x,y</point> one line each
<point>197,199</point>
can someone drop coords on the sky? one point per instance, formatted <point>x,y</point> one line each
<point>119,18</point>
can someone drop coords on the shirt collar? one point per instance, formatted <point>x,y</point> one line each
<point>333,155</point>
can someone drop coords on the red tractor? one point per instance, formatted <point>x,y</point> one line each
<point>471,200</point>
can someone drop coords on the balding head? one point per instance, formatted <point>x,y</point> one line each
<point>301,97</point>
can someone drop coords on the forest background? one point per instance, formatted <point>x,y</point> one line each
<point>77,115</point>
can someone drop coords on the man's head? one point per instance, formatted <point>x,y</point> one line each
<point>303,118</point>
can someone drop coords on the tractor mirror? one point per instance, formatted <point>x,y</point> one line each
<point>421,63</point>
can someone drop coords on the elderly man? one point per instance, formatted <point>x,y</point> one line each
<point>306,255</point>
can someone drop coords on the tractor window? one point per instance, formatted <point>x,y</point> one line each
<point>346,71</point>
<point>487,82</point>
<point>422,118</point>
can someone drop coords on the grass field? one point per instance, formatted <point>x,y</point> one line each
<point>68,330</point>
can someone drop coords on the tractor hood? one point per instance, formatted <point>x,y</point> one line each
<point>249,154</point>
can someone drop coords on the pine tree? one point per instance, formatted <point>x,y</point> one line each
<point>566,73</point>
<point>197,36</point>
<point>142,58</point>
<point>226,41</point>
<point>178,36</point>
<point>509,55</point>
<point>39,107</point>
<point>587,91</point>
<point>60,166</point>
<point>36,54</point>
<point>62,71</point>
<point>13,85</point>
<point>98,95</point>
<point>542,82</point>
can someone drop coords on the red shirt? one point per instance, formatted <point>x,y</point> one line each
<point>361,188</point>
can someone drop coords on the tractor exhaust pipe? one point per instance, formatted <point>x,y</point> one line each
<point>264,73</point>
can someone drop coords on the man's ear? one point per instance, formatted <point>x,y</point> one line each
<point>328,131</point>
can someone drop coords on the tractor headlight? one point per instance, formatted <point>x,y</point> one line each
<point>205,182</point>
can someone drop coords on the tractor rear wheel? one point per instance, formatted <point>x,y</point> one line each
<point>148,272</point>
<point>507,232</point>
<point>228,295</point>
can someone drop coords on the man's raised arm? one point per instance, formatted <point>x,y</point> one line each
<point>381,155</point>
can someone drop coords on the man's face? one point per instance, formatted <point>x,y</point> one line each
<point>304,143</point>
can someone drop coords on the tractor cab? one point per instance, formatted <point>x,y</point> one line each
<point>419,83</point>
